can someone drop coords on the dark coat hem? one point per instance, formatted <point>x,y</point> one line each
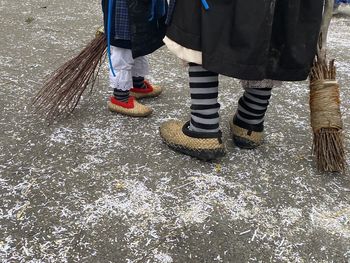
<point>148,50</point>
<point>251,72</point>
<point>220,64</point>
<point>121,43</point>
<point>185,39</point>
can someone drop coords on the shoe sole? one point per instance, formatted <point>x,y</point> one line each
<point>142,96</point>
<point>129,114</point>
<point>241,142</point>
<point>204,155</point>
<point>244,143</point>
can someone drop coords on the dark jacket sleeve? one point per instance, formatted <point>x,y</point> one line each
<point>146,35</point>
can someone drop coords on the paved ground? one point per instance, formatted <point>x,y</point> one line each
<point>98,187</point>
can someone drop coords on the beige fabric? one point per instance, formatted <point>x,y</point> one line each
<point>186,54</point>
<point>258,84</point>
<point>139,110</point>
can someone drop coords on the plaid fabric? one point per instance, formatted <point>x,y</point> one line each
<point>122,23</point>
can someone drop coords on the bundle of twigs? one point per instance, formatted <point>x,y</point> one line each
<point>326,119</point>
<point>64,87</point>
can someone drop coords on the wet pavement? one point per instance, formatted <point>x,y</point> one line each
<point>98,187</point>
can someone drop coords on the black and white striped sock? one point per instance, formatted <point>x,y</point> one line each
<point>204,99</point>
<point>138,82</point>
<point>252,107</point>
<point>121,95</point>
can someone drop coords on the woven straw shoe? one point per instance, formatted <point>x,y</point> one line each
<point>204,146</point>
<point>246,136</point>
<point>131,108</point>
<point>149,92</point>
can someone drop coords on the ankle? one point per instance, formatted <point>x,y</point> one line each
<point>121,95</point>
<point>193,128</point>
<point>259,127</point>
<point>139,82</point>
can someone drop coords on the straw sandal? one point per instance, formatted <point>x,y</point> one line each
<point>149,92</point>
<point>246,136</point>
<point>204,146</point>
<point>131,108</point>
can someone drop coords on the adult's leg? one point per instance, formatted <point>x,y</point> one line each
<point>200,137</point>
<point>248,123</point>
<point>204,99</point>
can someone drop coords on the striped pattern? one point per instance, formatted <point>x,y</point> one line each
<point>121,95</point>
<point>253,104</point>
<point>138,82</point>
<point>204,99</point>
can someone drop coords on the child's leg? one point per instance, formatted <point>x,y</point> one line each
<point>139,71</point>
<point>122,63</point>
<point>141,87</point>
<point>252,107</point>
<point>121,82</point>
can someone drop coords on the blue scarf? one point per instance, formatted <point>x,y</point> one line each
<point>205,4</point>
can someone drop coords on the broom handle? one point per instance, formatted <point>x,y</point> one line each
<point>326,20</point>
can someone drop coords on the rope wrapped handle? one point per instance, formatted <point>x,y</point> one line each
<point>325,105</point>
<point>99,31</point>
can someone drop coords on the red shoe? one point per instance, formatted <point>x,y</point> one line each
<point>130,108</point>
<point>148,92</point>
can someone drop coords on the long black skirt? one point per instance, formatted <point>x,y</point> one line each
<point>250,39</point>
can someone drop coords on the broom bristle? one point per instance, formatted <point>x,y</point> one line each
<point>329,150</point>
<point>326,122</point>
<point>63,88</point>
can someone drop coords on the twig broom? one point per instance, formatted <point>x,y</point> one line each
<point>326,119</point>
<point>63,88</point>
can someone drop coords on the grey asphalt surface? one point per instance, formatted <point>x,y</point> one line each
<point>98,187</point>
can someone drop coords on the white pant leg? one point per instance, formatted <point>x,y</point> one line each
<point>123,63</point>
<point>141,67</point>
